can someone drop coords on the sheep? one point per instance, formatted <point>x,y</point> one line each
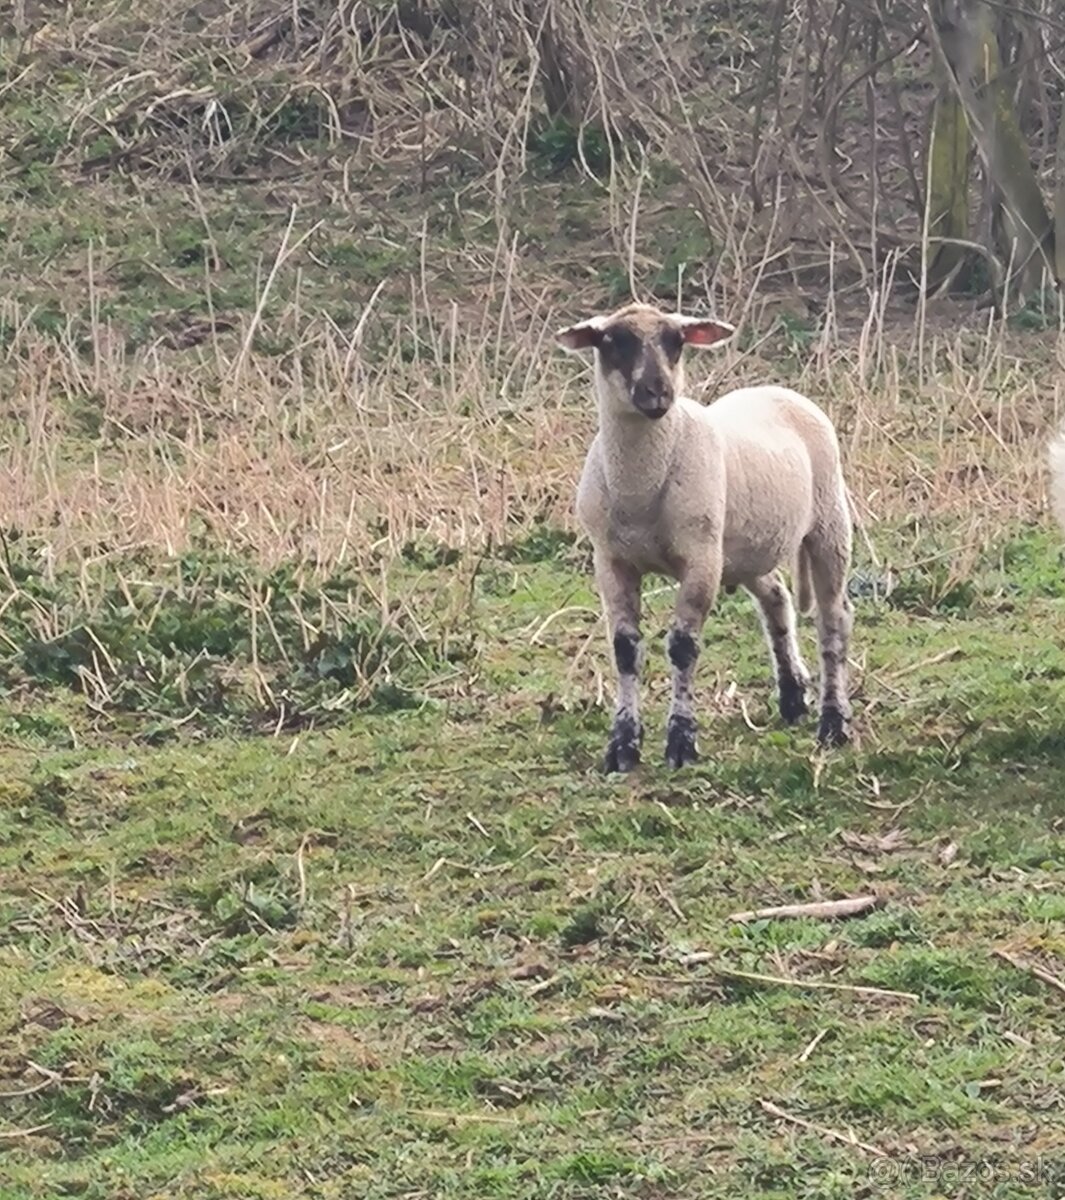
<point>722,495</point>
<point>1056,454</point>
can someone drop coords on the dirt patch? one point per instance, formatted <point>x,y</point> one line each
<point>339,1046</point>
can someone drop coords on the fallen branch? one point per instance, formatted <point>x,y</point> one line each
<point>848,1139</point>
<point>437,1114</point>
<point>822,909</point>
<point>671,903</point>
<point>11,1134</point>
<point>813,984</point>
<point>478,826</point>
<point>945,656</point>
<point>1050,980</point>
<point>30,1091</point>
<point>812,1045</point>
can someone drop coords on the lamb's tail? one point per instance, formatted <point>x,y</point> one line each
<point>804,589</point>
<point>1056,454</point>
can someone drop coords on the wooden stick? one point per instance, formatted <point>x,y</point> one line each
<point>1050,980</point>
<point>11,1134</point>
<point>439,1115</point>
<point>815,1041</point>
<point>944,656</point>
<point>30,1091</point>
<point>440,862</point>
<point>821,909</point>
<point>813,984</point>
<point>747,718</point>
<point>678,912</point>
<point>301,870</point>
<point>848,1139</point>
<point>478,826</point>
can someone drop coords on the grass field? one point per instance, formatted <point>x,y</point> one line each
<point>310,883</point>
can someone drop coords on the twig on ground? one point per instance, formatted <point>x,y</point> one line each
<point>8,1135</point>
<point>50,1077</point>
<point>747,718</point>
<point>29,1091</point>
<point>440,1115</point>
<point>814,1042</point>
<point>820,909</point>
<point>1046,977</point>
<point>834,1135</point>
<point>434,869</point>
<point>670,901</point>
<point>301,869</point>
<point>478,826</point>
<point>943,656</point>
<point>779,981</point>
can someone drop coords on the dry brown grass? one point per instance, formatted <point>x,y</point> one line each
<point>367,103</point>
<point>442,412</point>
<point>335,460</point>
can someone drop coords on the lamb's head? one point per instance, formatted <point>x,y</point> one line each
<point>638,353</point>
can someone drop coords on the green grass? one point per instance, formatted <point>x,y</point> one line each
<point>436,952</point>
<point>310,884</point>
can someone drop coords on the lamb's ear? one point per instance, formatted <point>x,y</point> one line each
<point>582,336</point>
<point>702,331</point>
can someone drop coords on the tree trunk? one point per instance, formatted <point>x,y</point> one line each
<point>948,187</point>
<point>556,77</point>
<point>965,35</point>
<point>1059,200</point>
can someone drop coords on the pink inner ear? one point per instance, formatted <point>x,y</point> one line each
<point>705,333</point>
<point>579,337</point>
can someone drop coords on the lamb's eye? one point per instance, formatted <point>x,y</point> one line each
<point>672,342</point>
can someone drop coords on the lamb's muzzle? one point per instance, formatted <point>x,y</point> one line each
<point>717,496</point>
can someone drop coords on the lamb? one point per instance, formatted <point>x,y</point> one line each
<point>712,496</point>
<point>1056,454</point>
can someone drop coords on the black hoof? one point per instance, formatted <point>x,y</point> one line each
<point>680,742</point>
<point>623,749</point>
<point>833,729</point>
<point>621,757</point>
<point>793,705</point>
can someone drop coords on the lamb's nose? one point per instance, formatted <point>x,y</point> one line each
<point>654,401</point>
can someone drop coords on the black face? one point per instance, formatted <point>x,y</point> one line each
<point>646,361</point>
<point>672,343</point>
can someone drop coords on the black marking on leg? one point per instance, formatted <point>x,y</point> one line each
<point>626,652</point>
<point>623,749</point>
<point>833,729</point>
<point>682,649</point>
<point>793,705</point>
<point>680,741</point>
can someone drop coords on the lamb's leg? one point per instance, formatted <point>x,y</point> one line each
<point>829,560</point>
<point>619,587</point>
<point>778,621</point>
<point>698,591</point>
